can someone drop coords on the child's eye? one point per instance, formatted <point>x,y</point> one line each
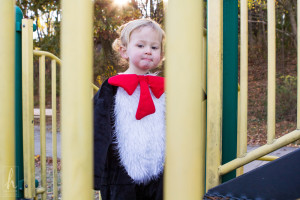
<point>140,46</point>
<point>154,48</point>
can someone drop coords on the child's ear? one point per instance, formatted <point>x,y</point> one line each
<point>123,52</point>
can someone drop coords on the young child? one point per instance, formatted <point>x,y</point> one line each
<point>129,119</point>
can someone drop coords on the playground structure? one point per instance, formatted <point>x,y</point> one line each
<point>191,134</point>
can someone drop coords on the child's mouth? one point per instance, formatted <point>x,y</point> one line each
<point>147,59</point>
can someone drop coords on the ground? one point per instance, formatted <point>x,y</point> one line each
<point>50,177</point>
<point>257,100</point>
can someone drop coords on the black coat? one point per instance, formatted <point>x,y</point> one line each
<point>110,177</point>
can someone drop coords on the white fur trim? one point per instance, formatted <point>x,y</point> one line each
<point>140,143</point>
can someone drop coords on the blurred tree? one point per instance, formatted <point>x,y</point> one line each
<point>286,27</point>
<point>46,15</point>
<point>289,8</point>
<point>153,9</point>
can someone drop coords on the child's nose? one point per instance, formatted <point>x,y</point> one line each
<point>148,50</point>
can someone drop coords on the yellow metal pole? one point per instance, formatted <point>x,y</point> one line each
<point>54,132</point>
<point>268,158</point>
<point>40,190</point>
<point>259,152</point>
<point>243,115</point>
<point>240,170</point>
<point>7,96</point>
<point>184,172</point>
<point>244,77</point>
<point>203,72</point>
<point>271,70</point>
<point>27,106</point>
<point>214,91</point>
<point>99,193</point>
<point>203,111</point>
<point>298,64</point>
<point>42,94</point>
<point>76,107</point>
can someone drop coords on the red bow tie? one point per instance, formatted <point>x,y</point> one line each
<point>129,82</point>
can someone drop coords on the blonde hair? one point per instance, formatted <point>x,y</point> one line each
<point>126,30</point>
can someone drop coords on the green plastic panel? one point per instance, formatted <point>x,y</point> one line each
<point>18,102</point>
<point>230,83</point>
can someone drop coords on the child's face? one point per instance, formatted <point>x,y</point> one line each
<point>143,51</point>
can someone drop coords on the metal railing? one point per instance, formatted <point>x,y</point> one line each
<point>28,133</point>
<point>214,168</point>
<point>28,122</point>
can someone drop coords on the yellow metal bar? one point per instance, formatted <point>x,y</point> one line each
<point>259,152</point>
<point>186,164</point>
<point>27,104</point>
<point>244,78</point>
<point>7,96</point>
<point>203,112</point>
<point>46,54</point>
<point>268,158</point>
<point>95,88</point>
<point>76,105</point>
<point>214,91</point>
<point>99,195</point>
<point>240,170</point>
<point>243,95</point>
<point>42,94</point>
<point>204,105</point>
<point>298,64</point>
<point>271,70</point>
<point>54,132</point>
<point>40,190</point>
<point>203,68</point>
